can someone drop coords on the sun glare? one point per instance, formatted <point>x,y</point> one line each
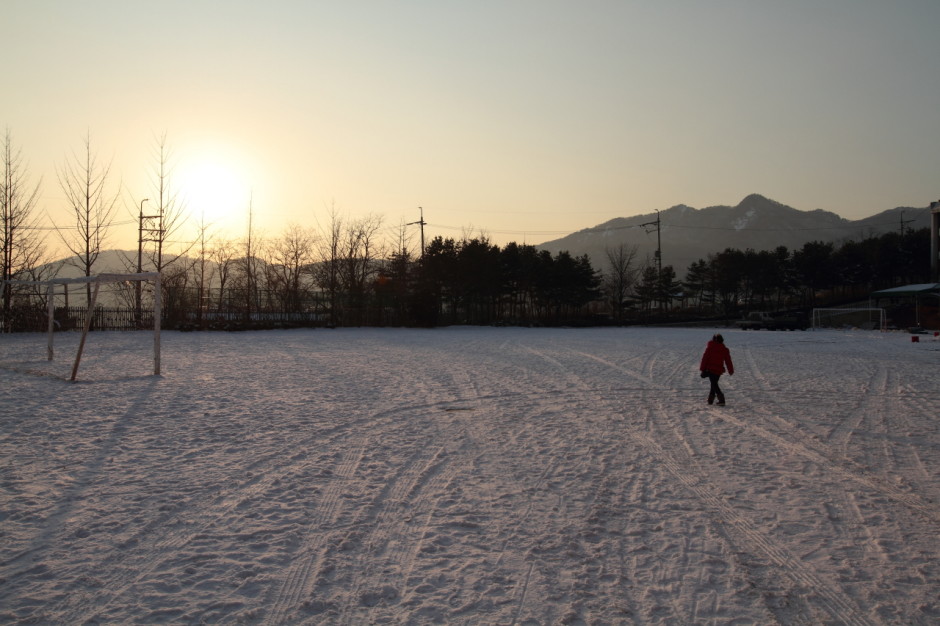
<point>213,191</point>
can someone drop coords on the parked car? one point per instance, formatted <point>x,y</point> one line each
<point>757,320</point>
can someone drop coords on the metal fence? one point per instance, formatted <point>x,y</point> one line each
<point>36,319</point>
<point>28,319</point>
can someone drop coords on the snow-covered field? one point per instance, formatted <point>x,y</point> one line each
<point>470,476</point>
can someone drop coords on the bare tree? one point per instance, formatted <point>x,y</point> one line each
<point>203,270</point>
<point>177,297</point>
<point>22,242</point>
<point>248,267</point>
<point>359,261</point>
<point>224,255</point>
<point>620,276</point>
<point>395,281</point>
<point>405,241</point>
<point>327,273</point>
<point>290,258</point>
<point>85,184</point>
<point>168,212</point>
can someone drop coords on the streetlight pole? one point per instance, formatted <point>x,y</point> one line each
<point>140,251</point>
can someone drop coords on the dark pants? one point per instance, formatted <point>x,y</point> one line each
<point>715,391</point>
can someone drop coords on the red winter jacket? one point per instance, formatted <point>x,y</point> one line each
<point>716,357</point>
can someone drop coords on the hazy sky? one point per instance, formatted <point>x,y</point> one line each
<point>526,119</point>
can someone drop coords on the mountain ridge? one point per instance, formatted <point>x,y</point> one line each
<point>688,234</point>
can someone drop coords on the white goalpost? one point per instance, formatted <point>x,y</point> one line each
<point>866,318</point>
<point>96,281</point>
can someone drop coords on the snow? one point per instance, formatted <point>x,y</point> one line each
<point>470,476</point>
<point>742,222</point>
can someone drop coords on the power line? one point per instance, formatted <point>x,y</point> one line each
<point>122,223</point>
<point>508,232</point>
<point>601,229</point>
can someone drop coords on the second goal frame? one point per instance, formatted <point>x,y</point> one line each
<point>876,316</point>
<point>96,281</point>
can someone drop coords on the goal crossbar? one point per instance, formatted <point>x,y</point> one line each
<point>96,281</point>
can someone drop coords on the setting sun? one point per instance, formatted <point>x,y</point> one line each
<point>213,191</point>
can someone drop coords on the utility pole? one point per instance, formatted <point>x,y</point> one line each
<point>903,222</point>
<point>935,240</point>
<point>422,223</point>
<point>659,248</point>
<point>659,252</point>
<point>140,254</point>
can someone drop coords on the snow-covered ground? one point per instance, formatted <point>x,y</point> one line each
<point>470,476</point>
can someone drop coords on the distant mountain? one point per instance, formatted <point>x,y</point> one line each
<point>109,261</point>
<point>688,234</point>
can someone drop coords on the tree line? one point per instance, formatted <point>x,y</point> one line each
<point>470,280</point>
<point>817,274</point>
<point>350,272</point>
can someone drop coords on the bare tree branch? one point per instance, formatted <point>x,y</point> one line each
<point>84,181</point>
<point>21,240</point>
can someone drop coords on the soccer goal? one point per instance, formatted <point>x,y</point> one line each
<point>864,318</point>
<point>96,282</point>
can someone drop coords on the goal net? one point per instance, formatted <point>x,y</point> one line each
<point>46,290</point>
<point>863,318</point>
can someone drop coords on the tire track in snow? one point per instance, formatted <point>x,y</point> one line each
<point>587,395</point>
<point>674,446</point>
<point>739,529</point>
<point>646,379</point>
<point>148,547</point>
<point>410,537</point>
<point>876,420</point>
<point>388,530</point>
<point>891,426</point>
<point>796,441</point>
<point>905,434</point>
<point>848,520</point>
<point>872,402</point>
<point>380,528</point>
<point>383,522</point>
<point>520,595</point>
<point>318,559</point>
<point>522,565</point>
<point>296,584</point>
<point>512,532</point>
<point>396,528</point>
<point>853,522</point>
<point>844,470</point>
<point>681,461</point>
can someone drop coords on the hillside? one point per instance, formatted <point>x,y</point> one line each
<point>688,234</point>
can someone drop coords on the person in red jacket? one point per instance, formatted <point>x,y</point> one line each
<point>716,358</point>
